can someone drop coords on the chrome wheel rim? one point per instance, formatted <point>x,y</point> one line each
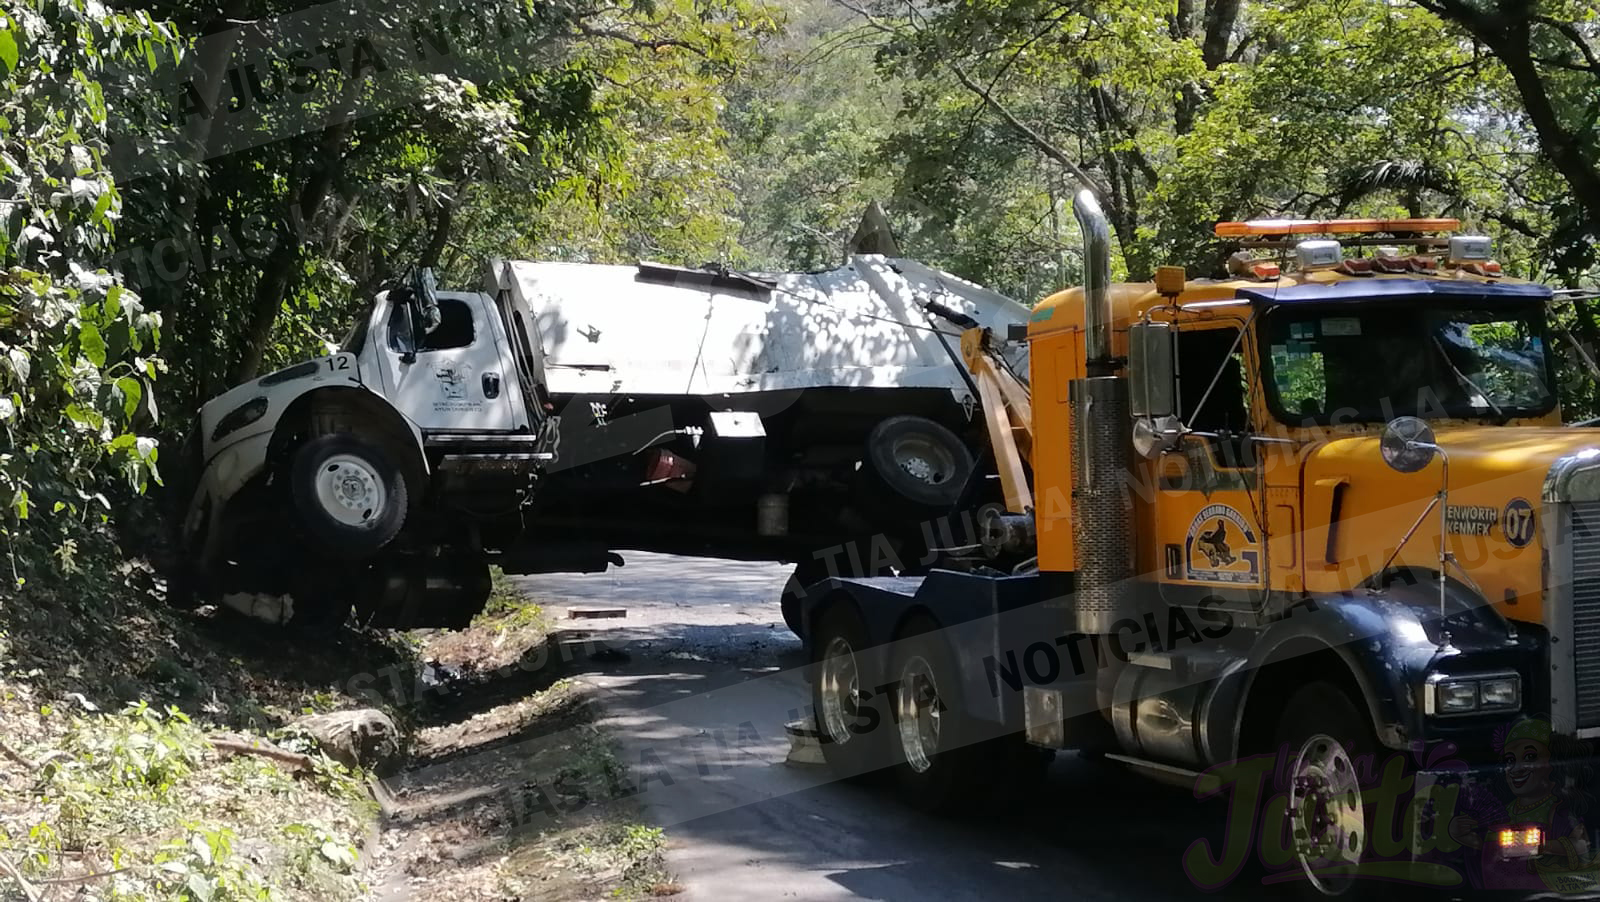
<point>924,460</point>
<point>917,709</point>
<point>841,682</point>
<point>1327,819</point>
<point>349,490</point>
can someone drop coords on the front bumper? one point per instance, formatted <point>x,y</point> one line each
<point>1459,818</point>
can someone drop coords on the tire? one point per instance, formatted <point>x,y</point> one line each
<point>853,725</point>
<point>182,591</point>
<point>348,494</point>
<point>473,575</point>
<point>1325,735</point>
<point>806,574</point>
<point>323,597</point>
<point>918,463</point>
<point>945,761</point>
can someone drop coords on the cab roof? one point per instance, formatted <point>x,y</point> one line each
<point>1129,300</point>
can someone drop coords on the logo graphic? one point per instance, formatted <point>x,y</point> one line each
<point>453,379</point>
<point>1520,522</point>
<point>1530,834</point>
<point>1470,520</point>
<point>1222,548</point>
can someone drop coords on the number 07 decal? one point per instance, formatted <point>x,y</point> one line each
<point>1519,522</point>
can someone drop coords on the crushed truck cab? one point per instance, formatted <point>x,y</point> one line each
<point>323,484</point>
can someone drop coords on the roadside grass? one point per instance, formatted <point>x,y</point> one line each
<point>110,785</point>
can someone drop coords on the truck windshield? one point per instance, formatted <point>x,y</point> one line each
<point>1372,363</point>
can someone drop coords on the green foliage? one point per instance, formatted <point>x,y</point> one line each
<point>127,787</point>
<point>77,347</point>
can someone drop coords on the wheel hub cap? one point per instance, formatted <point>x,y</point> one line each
<point>349,490</point>
<point>918,713</point>
<point>924,460</point>
<point>841,690</point>
<point>1327,819</point>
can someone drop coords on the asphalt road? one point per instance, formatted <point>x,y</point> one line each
<point>700,698</point>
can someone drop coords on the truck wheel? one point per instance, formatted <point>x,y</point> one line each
<point>1325,737</point>
<point>323,597</point>
<point>806,573</point>
<point>941,759</point>
<point>349,494</point>
<point>918,462</point>
<point>853,727</point>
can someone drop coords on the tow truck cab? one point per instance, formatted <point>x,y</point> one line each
<point>1325,514</point>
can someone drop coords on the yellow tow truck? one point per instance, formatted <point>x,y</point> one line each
<point>1321,513</point>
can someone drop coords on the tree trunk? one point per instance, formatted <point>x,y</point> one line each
<point>1507,32</point>
<point>286,257</point>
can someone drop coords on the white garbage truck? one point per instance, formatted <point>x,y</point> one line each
<point>564,412</point>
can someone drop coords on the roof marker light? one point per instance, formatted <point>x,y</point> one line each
<point>1243,264</point>
<point>1469,249</point>
<point>1315,255</point>
<point>1332,226</point>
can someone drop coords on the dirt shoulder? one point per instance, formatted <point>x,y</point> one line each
<point>117,780</point>
<point>506,795</point>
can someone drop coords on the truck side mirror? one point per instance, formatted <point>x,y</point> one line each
<point>424,291</point>
<point>404,339</point>
<point>1152,366</point>
<point>1408,444</point>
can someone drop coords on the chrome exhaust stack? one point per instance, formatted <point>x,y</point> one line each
<point>1102,509</point>
<point>1096,231</point>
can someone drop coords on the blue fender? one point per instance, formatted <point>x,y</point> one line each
<point>1392,641</point>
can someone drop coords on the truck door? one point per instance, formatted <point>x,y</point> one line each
<point>1207,528</point>
<point>456,380</point>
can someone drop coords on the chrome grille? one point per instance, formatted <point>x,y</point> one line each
<point>1584,538</point>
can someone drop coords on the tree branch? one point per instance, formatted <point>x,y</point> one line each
<point>1576,38</point>
<point>1043,144</point>
<point>641,43</point>
<point>26,888</point>
<point>239,746</point>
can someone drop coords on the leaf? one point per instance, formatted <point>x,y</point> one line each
<point>8,50</point>
<point>201,888</point>
<point>131,392</point>
<point>202,849</point>
<point>338,854</point>
<point>98,216</point>
<point>93,345</point>
<point>19,504</point>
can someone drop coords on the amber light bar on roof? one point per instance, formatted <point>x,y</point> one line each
<point>1332,226</point>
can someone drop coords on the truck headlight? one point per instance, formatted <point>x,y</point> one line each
<point>1500,693</point>
<point>1448,694</point>
<point>240,417</point>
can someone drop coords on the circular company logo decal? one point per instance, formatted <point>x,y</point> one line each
<point>1519,522</point>
<point>1222,548</point>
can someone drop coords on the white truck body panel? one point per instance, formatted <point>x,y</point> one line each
<point>607,331</point>
<point>462,388</point>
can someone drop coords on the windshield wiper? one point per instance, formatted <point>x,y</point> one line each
<point>1463,377</point>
